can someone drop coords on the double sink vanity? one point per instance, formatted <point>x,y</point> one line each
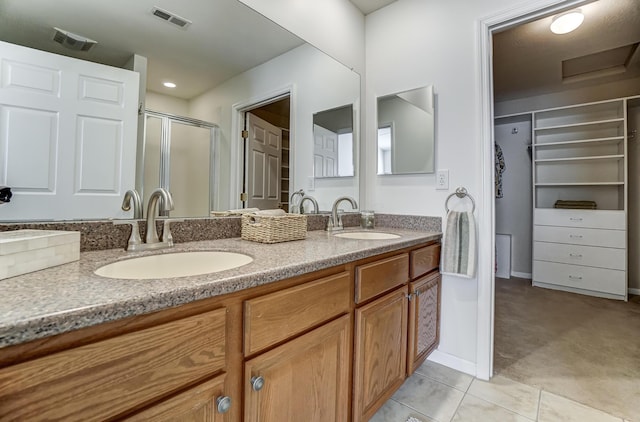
<point>321,329</point>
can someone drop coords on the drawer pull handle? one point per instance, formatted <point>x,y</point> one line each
<point>575,218</point>
<point>223,404</point>
<point>575,255</point>
<point>575,236</point>
<point>575,277</point>
<point>257,383</point>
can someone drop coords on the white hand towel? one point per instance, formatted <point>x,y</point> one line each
<point>459,245</point>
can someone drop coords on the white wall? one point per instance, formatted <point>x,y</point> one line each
<point>334,26</point>
<point>167,104</point>
<point>633,214</point>
<point>623,88</point>
<point>514,211</point>
<point>318,83</point>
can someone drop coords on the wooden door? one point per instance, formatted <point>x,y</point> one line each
<point>424,319</point>
<point>68,131</point>
<point>198,404</point>
<point>263,156</point>
<point>380,352</point>
<point>306,379</point>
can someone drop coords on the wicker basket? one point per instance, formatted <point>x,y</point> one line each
<point>274,229</point>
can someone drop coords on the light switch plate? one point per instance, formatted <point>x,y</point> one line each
<point>442,180</point>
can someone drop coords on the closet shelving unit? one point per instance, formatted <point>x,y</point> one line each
<point>580,153</point>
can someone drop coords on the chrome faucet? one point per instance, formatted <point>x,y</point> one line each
<point>152,241</point>
<point>165,205</point>
<point>132,196</point>
<point>293,207</point>
<point>335,220</point>
<point>310,199</point>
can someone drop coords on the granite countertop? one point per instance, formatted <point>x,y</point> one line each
<point>71,296</point>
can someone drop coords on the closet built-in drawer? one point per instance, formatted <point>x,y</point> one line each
<point>100,381</point>
<point>381,276</point>
<point>596,219</point>
<point>275,317</point>
<point>591,256</point>
<point>581,236</point>
<point>580,277</point>
<point>424,260</point>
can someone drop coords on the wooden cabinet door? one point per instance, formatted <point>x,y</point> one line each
<point>424,319</point>
<point>306,379</point>
<point>380,352</point>
<point>198,404</point>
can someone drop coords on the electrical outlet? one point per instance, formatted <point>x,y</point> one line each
<point>311,183</point>
<point>442,180</point>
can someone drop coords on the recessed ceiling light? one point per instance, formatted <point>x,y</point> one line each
<point>169,84</point>
<point>567,22</point>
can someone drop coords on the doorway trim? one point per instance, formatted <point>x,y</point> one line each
<point>486,233</point>
<point>237,126</point>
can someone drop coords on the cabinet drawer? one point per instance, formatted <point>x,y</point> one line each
<point>580,277</point>
<point>99,381</point>
<point>596,219</point>
<point>581,236</point>
<point>380,276</point>
<point>424,260</point>
<point>591,256</point>
<point>275,317</point>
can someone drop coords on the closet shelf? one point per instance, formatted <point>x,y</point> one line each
<point>611,139</point>
<point>578,125</point>
<point>579,184</point>
<point>593,158</point>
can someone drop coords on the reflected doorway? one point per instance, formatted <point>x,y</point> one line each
<point>267,146</point>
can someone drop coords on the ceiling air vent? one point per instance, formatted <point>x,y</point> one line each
<point>170,17</point>
<point>73,41</point>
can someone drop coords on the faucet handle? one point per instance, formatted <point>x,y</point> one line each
<point>134,238</point>
<point>167,237</point>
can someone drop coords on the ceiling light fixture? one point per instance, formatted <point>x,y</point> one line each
<point>169,84</point>
<point>567,22</point>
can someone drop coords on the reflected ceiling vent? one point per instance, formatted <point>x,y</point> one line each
<point>603,63</point>
<point>170,17</point>
<point>73,41</point>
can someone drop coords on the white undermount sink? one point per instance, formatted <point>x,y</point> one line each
<point>169,265</point>
<point>367,235</point>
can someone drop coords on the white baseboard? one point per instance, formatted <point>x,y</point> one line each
<point>453,362</point>
<point>633,291</point>
<point>521,275</point>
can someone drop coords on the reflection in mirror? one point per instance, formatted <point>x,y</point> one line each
<point>406,135</point>
<point>333,142</point>
<point>237,67</point>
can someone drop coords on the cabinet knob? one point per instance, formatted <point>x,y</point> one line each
<point>257,383</point>
<point>223,404</point>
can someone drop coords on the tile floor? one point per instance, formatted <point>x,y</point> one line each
<point>435,393</point>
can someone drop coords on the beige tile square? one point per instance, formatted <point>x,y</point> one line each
<point>473,409</point>
<point>445,375</point>
<point>431,398</point>
<point>555,408</point>
<point>519,398</point>
<point>392,411</point>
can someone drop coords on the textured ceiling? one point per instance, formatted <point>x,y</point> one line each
<point>527,59</point>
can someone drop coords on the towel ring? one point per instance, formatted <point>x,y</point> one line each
<point>460,193</point>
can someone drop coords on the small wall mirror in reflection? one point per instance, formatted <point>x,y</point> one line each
<point>406,135</point>
<point>333,142</point>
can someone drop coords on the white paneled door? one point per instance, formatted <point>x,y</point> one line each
<point>264,154</point>
<point>325,152</point>
<point>67,135</point>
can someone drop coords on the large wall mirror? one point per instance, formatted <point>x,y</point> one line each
<point>227,60</point>
<point>406,135</point>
